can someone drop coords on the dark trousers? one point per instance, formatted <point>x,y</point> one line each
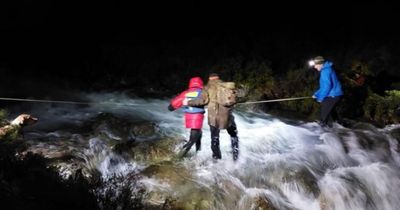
<point>328,109</point>
<point>398,111</point>
<point>195,138</point>
<point>232,131</point>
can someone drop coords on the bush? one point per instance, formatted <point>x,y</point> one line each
<point>382,109</point>
<point>3,115</point>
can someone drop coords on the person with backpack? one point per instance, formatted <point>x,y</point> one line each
<point>194,115</point>
<point>219,96</point>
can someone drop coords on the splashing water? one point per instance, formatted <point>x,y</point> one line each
<point>282,165</point>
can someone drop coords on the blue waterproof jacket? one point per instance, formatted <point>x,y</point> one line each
<point>329,85</point>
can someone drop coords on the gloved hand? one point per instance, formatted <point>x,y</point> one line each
<point>185,102</point>
<point>24,119</point>
<point>170,108</point>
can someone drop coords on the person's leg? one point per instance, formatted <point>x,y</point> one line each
<point>198,139</point>
<point>326,107</point>
<point>398,111</point>
<point>232,131</point>
<point>334,114</point>
<point>195,135</point>
<point>215,142</point>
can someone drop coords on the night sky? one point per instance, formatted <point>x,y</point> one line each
<point>55,37</point>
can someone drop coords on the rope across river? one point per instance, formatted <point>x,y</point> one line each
<point>124,104</point>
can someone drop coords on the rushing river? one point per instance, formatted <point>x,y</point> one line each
<point>283,164</point>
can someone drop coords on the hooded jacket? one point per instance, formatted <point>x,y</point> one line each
<point>329,85</point>
<point>194,115</point>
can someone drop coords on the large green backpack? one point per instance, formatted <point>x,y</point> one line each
<point>226,93</point>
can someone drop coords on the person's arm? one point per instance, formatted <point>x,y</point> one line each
<point>14,127</point>
<point>241,94</point>
<point>325,85</point>
<point>177,102</point>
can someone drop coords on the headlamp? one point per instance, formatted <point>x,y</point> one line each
<point>311,63</point>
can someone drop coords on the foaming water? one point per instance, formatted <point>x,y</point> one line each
<point>287,165</point>
<point>109,164</point>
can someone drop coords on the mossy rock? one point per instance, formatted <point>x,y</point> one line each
<point>290,173</point>
<point>143,130</point>
<point>259,201</point>
<point>191,200</point>
<point>182,193</point>
<point>154,150</point>
<point>263,203</point>
<point>110,127</point>
<point>168,171</point>
<point>304,178</point>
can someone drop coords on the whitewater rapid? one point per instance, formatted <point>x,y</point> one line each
<point>290,164</point>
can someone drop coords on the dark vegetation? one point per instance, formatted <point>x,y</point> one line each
<point>146,70</point>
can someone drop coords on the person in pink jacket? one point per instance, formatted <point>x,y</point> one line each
<point>194,116</point>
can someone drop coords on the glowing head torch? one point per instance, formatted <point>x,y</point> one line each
<point>311,63</point>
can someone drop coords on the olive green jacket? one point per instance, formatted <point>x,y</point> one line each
<point>218,115</point>
<point>9,131</point>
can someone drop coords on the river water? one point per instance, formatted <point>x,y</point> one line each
<point>283,164</point>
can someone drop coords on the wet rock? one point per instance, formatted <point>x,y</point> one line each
<point>325,203</point>
<point>373,141</point>
<point>124,147</point>
<point>121,193</point>
<point>196,199</point>
<point>60,154</point>
<point>154,151</point>
<point>110,127</point>
<point>364,126</point>
<point>263,203</point>
<point>180,191</point>
<point>168,171</point>
<point>367,137</point>
<point>169,204</point>
<point>116,130</point>
<point>261,200</point>
<point>348,194</point>
<point>71,170</point>
<point>192,205</point>
<point>156,199</point>
<point>302,177</point>
<point>143,130</point>
<point>395,133</point>
<point>292,174</point>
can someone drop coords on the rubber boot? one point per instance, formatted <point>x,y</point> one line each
<point>215,148</point>
<point>198,145</point>
<point>235,147</point>
<point>185,149</point>
<point>198,141</point>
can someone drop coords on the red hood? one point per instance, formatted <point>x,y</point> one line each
<point>196,82</point>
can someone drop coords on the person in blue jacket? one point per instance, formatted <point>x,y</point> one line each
<point>330,90</point>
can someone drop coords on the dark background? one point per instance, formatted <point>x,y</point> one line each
<point>94,45</point>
